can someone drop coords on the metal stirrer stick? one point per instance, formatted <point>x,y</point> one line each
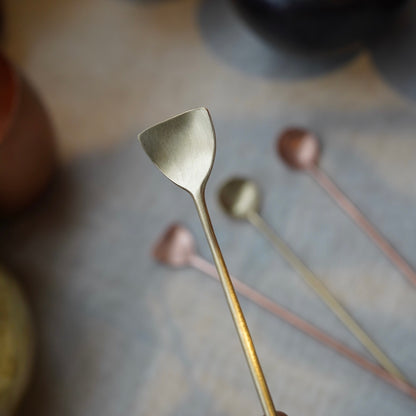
<point>300,150</point>
<point>176,248</point>
<point>240,198</point>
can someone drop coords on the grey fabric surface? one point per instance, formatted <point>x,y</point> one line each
<point>119,334</point>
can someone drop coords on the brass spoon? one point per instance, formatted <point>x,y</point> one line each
<point>300,150</point>
<point>240,198</point>
<point>183,148</point>
<point>176,248</point>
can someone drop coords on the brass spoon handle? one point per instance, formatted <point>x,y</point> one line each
<point>315,283</point>
<point>236,312</point>
<point>355,214</point>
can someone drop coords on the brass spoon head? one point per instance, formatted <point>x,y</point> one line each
<point>239,197</point>
<point>175,247</point>
<point>298,148</point>
<point>183,148</point>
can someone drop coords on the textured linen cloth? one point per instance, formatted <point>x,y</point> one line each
<point>118,334</point>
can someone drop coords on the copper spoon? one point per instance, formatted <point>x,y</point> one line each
<point>240,198</point>
<point>300,150</point>
<point>176,248</point>
<point>183,148</point>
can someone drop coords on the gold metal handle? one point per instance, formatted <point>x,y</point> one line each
<point>315,283</point>
<point>235,308</point>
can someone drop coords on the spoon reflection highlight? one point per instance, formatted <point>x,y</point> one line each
<point>176,248</point>
<point>240,198</point>
<point>300,150</point>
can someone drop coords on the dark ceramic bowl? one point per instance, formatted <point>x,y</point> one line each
<point>319,25</point>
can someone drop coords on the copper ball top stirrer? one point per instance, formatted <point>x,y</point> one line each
<point>183,148</point>
<point>176,248</point>
<point>240,198</point>
<point>300,150</point>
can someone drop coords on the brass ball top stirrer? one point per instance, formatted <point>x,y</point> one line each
<point>300,150</point>
<point>176,248</point>
<point>183,148</point>
<point>240,198</point>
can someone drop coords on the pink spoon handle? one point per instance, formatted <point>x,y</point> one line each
<point>342,200</point>
<point>304,326</point>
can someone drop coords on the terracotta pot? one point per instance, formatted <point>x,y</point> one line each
<point>27,146</point>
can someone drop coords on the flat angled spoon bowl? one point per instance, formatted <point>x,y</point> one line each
<point>183,148</point>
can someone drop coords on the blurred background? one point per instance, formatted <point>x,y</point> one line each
<point>91,324</point>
